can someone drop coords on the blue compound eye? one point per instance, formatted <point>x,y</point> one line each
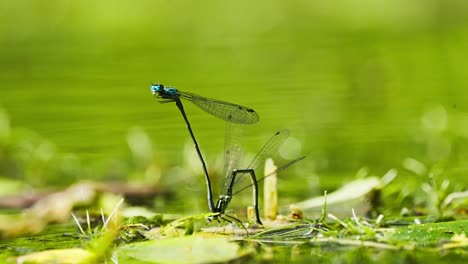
<point>156,87</point>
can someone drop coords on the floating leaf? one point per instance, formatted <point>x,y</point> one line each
<point>191,249</point>
<point>62,256</point>
<point>426,235</point>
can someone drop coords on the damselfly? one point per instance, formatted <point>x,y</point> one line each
<point>234,176</point>
<point>229,112</point>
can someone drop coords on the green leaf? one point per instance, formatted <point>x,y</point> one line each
<point>193,249</point>
<point>432,234</point>
<point>62,256</point>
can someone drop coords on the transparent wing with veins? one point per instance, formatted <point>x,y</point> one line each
<point>223,110</point>
<point>271,147</point>
<point>232,151</point>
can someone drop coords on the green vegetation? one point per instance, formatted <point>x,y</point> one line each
<point>369,90</point>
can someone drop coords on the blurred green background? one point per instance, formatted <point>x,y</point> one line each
<point>358,83</point>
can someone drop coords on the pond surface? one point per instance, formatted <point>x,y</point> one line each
<point>353,94</point>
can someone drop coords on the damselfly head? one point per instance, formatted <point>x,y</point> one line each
<point>156,88</point>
